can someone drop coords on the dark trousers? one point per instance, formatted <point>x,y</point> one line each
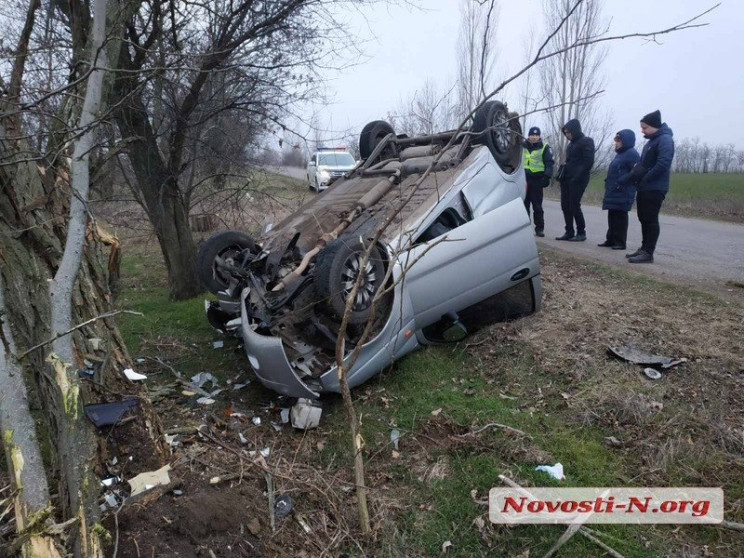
<point>534,197</point>
<point>648,205</point>
<point>571,205</point>
<point>617,227</point>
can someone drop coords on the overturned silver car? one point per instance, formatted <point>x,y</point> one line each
<point>431,229</point>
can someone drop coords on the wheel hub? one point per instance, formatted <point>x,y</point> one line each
<point>368,285</point>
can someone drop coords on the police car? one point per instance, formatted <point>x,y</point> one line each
<point>326,165</point>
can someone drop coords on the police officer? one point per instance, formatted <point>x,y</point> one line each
<point>538,168</point>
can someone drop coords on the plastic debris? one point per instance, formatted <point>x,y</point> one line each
<point>141,360</point>
<point>171,440</point>
<point>86,372</point>
<point>305,414</point>
<point>218,344</point>
<point>284,414</point>
<point>265,452</point>
<point>394,437</point>
<point>105,414</point>
<point>134,376</point>
<point>275,426</point>
<point>202,378</point>
<point>95,343</point>
<point>283,506</point>
<point>256,421</point>
<point>205,401</point>
<point>243,439</point>
<point>111,500</point>
<point>652,373</point>
<point>178,492</point>
<point>555,471</point>
<point>111,481</point>
<point>240,386</point>
<point>634,355</point>
<point>151,479</point>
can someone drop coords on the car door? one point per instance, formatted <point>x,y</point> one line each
<point>480,258</point>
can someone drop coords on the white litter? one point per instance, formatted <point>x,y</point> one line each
<point>202,378</point>
<point>256,421</point>
<point>555,471</point>
<point>243,439</point>
<point>275,426</point>
<point>218,344</point>
<point>305,414</point>
<point>394,437</point>
<point>150,479</point>
<point>111,481</point>
<point>240,386</point>
<point>111,500</point>
<point>284,414</point>
<point>171,440</point>
<point>205,401</point>
<point>265,452</point>
<point>141,360</point>
<point>134,376</point>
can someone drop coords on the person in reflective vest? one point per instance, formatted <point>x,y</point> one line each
<point>538,168</point>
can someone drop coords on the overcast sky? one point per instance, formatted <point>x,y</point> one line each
<point>694,77</point>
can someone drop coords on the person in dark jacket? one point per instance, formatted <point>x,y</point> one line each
<point>574,179</point>
<point>619,192</point>
<point>652,177</point>
<point>538,168</point>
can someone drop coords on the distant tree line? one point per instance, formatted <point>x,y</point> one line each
<point>692,156</point>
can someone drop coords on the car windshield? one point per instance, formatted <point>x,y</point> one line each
<point>336,159</point>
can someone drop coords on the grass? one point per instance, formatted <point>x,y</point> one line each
<point>502,378</point>
<point>713,195</point>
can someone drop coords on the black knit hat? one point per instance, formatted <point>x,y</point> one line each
<point>534,131</point>
<point>653,119</point>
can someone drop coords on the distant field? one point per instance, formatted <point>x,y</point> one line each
<point>717,196</point>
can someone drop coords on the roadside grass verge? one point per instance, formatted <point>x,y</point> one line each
<point>710,195</point>
<point>547,376</point>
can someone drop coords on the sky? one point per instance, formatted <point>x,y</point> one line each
<point>694,76</point>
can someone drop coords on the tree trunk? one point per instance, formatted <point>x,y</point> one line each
<point>33,229</point>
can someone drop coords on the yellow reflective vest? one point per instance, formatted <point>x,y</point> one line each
<point>533,160</point>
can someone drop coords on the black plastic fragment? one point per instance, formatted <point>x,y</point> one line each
<point>105,414</point>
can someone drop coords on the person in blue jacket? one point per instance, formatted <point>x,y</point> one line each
<point>652,177</point>
<point>619,192</point>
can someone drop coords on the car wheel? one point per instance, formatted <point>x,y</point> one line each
<point>336,271</point>
<point>309,183</point>
<point>226,245</point>
<point>500,133</point>
<point>372,134</point>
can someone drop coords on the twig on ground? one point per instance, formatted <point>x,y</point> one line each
<point>495,425</point>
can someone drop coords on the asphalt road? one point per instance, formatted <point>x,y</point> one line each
<point>695,252</point>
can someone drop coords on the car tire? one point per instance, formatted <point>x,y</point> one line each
<point>500,133</point>
<point>227,244</point>
<point>336,270</point>
<point>372,134</point>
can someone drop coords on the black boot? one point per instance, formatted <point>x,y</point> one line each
<point>566,236</point>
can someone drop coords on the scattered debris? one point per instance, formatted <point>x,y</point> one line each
<point>205,401</point>
<point>283,506</point>
<point>134,376</point>
<point>284,414</point>
<point>634,355</point>
<point>202,378</point>
<point>254,526</point>
<point>265,452</point>
<point>95,343</point>
<point>275,426</point>
<point>243,439</point>
<point>105,414</point>
<point>178,492</point>
<point>218,344</point>
<point>436,412</point>
<point>111,500</point>
<point>614,442</point>
<point>111,481</point>
<point>151,479</point>
<point>652,373</point>
<point>256,421</point>
<point>240,386</point>
<point>555,471</point>
<point>86,372</point>
<point>394,437</point>
<point>305,414</point>
<point>141,360</point>
<point>303,523</point>
<point>446,545</point>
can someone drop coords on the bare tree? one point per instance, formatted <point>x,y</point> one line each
<point>572,77</point>
<point>476,52</point>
